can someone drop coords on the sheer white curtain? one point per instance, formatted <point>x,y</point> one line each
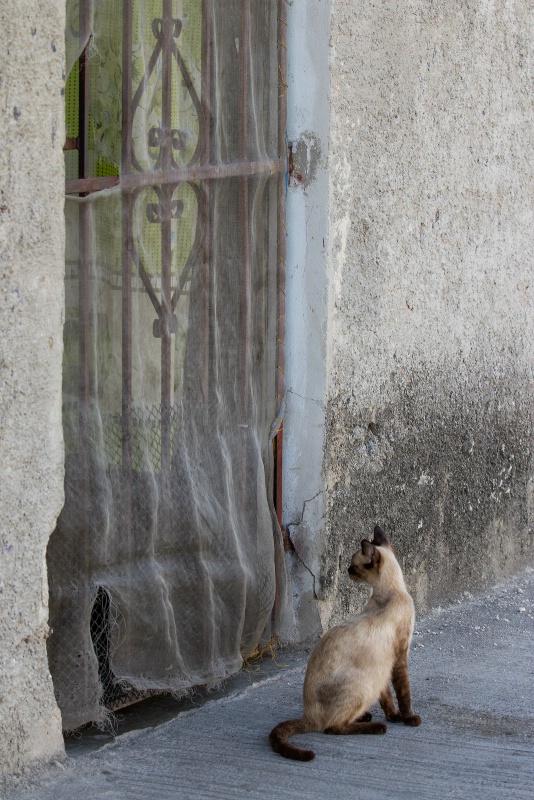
<point>161,569</point>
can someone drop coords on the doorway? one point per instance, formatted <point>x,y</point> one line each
<point>165,569</point>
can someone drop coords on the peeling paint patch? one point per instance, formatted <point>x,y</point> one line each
<point>305,155</point>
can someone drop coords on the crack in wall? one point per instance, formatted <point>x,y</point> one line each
<point>306,567</point>
<point>308,399</point>
<point>293,548</point>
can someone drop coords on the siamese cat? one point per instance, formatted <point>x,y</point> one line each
<point>352,665</point>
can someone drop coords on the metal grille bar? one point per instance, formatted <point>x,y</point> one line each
<point>206,172</point>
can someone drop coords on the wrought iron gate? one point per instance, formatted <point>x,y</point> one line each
<point>185,222</point>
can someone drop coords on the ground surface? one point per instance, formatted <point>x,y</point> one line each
<point>472,669</point>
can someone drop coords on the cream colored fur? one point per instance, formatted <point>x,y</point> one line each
<point>351,666</point>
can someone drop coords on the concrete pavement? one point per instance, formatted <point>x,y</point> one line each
<point>472,668</point>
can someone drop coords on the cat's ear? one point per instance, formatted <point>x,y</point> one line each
<point>367,548</point>
<point>380,539</point>
<point>372,555</point>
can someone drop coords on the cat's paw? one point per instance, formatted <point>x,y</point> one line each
<point>377,727</point>
<point>413,720</point>
<point>395,717</point>
<point>367,717</point>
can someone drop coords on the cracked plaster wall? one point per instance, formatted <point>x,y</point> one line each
<point>31,298</point>
<point>409,316</point>
<point>429,392</point>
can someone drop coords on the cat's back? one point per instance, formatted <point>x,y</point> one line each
<point>364,640</point>
<point>367,638</point>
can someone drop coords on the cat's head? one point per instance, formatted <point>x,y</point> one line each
<point>366,565</point>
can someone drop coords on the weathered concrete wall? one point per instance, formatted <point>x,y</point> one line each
<point>31,304</point>
<point>429,414</point>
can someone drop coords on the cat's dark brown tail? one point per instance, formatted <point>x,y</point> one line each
<point>279,740</point>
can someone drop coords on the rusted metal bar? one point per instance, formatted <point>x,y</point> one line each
<point>166,77</point>
<point>204,209</point>
<point>84,311</point>
<point>91,185</point>
<point>127,69</point>
<point>244,255</point>
<point>281,275</point>
<point>166,161</point>
<point>244,221</point>
<point>166,343</point>
<point>198,251</point>
<point>244,52</point>
<point>83,98</point>
<point>281,245</point>
<point>83,284</point>
<point>143,274</point>
<point>127,259</point>
<point>201,172</point>
<point>71,144</point>
<point>206,82</point>
<point>236,169</point>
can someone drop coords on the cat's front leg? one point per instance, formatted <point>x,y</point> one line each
<point>388,706</point>
<point>401,683</point>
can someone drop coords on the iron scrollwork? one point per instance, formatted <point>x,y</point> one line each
<point>166,60</point>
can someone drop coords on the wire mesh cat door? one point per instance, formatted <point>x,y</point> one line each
<point>162,567</point>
